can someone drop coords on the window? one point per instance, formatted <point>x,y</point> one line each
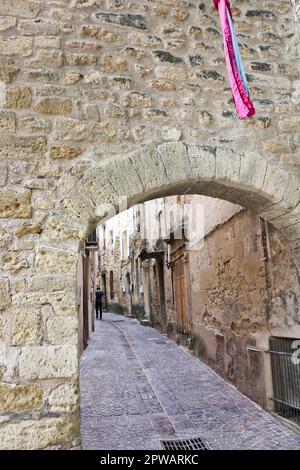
<point>92,241</point>
<point>111,239</point>
<point>124,245</point>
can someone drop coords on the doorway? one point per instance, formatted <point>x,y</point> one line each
<point>161,290</point>
<point>181,296</point>
<point>104,287</point>
<point>128,294</point>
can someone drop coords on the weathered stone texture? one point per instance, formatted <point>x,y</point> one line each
<point>20,397</point>
<point>65,152</point>
<point>133,21</point>
<point>50,259</point>
<point>61,302</point>
<point>7,23</point>
<point>54,106</point>
<point>31,434</point>
<point>28,229</point>
<point>241,301</point>
<point>18,97</point>
<point>49,283</point>
<point>113,64</point>
<point>14,261</point>
<point>45,58</point>
<point>22,147</point>
<point>8,70</point>
<point>7,122</point>
<point>87,81</point>
<point>5,297</point>
<point>15,204</point>
<point>64,398</point>
<point>37,362</point>
<point>185,44</point>
<point>16,46</point>
<point>25,8</point>
<point>98,32</point>
<point>27,329</point>
<point>62,330</point>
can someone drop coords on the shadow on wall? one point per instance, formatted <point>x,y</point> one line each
<point>138,311</point>
<point>236,362</point>
<point>115,307</point>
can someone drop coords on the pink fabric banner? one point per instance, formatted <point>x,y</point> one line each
<point>243,104</point>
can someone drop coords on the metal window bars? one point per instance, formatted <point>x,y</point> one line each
<point>285,366</point>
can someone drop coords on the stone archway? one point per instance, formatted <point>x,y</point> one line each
<point>46,368</point>
<point>153,171</point>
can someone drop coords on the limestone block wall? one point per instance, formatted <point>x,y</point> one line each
<point>106,98</point>
<point>128,73</point>
<point>110,261</point>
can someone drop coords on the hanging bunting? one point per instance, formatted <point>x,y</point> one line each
<point>234,64</point>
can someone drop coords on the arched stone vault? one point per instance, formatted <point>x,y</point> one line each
<point>103,99</point>
<point>176,168</point>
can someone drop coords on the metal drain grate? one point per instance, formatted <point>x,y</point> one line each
<point>197,443</point>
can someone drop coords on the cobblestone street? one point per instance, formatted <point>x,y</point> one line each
<point>138,387</point>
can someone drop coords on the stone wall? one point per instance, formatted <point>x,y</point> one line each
<point>241,293</point>
<point>211,213</point>
<point>140,72</point>
<point>101,99</point>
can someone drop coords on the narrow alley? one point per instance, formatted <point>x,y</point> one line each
<point>138,387</point>
<point>149,169</point>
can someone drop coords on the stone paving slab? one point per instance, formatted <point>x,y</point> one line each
<point>138,387</point>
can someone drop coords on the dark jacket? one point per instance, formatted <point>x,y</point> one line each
<point>99,296</point>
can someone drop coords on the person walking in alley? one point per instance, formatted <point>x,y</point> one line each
<point>99,297</point>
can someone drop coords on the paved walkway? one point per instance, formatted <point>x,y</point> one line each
<point>138,387</point>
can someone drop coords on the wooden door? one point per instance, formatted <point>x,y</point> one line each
<point>181,296</point>
<point>162,297</point>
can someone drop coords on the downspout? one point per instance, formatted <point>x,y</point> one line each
<point>266,258</point>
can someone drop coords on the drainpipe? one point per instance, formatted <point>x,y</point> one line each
<point>266,258</point>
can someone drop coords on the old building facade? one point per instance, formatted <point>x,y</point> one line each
<point>114,267</point>
<point>86,274</point>
<point>244,290</point>
<point>103,99</point>
<point>226,294</point>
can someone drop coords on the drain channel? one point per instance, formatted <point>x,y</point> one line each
<point>197,443</point>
